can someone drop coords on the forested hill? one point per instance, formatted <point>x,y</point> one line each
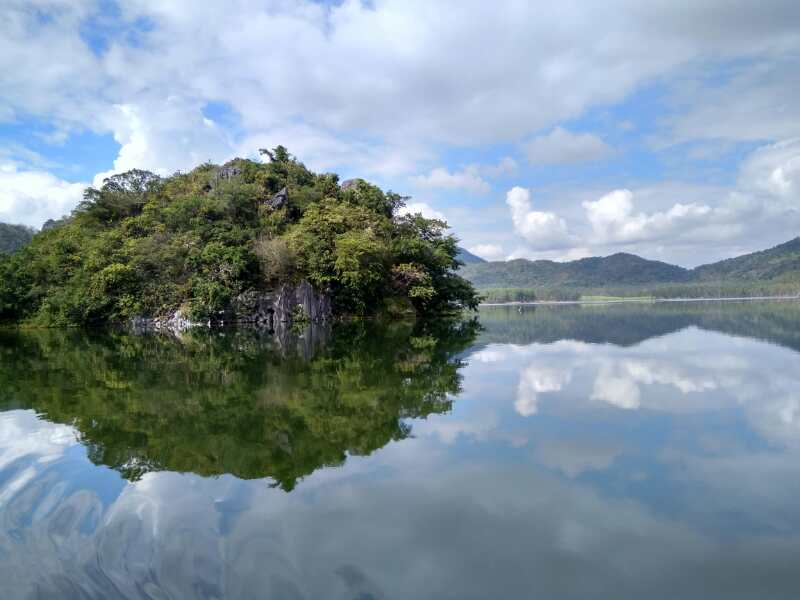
<point>780,262</point>
<point>467,257</point>
<point>14,237</point>
<point>205,241</point>
<point>617,269</point>
<point>776,270</point>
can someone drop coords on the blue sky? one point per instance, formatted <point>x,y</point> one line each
<point>668,129</point>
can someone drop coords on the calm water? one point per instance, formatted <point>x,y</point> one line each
<point>629,451</point>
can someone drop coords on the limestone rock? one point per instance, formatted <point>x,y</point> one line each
<point>228,171</point>
<point>279,200</point>
<point>272,309</point>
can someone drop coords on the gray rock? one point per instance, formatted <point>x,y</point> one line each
<point>253,307</point>
<point>228,171</point>
<point>350,183</point>
<point>273,309</point>
<point>301,299</point>
<point>279,200</point>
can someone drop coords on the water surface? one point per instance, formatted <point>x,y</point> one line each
<point>625,451</point>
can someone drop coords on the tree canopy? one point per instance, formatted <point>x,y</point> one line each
<point>144,245</point>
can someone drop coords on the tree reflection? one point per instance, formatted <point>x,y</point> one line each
<point>241,402</point>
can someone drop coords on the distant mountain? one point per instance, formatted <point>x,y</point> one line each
<point>467,257</point>
<point>14,237</point>
<point>778,264</point>
<point>617,269</point>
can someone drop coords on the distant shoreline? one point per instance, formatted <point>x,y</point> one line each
<point>635,301</point>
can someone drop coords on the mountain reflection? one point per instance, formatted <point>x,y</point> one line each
<point>251,404</point>
<point>627,324</point>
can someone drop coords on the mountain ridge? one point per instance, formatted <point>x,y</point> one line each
<point>780,263</point>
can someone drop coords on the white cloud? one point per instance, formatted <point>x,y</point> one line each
<point>422,208</point>
<point>441,178</point>
<point>561,146</point>
<point>613,219</point>
<point>322,150</point>
<point>505,166</point>
<point>542,230</point>
<point>367,67</point>
<point>164,137</point>
<point>31,197</point>
<point>559,255</point>
<point>757,102</point>
<point>352,87</point>
<point>488,251</point>
<point>536,380</point>
<point>774,170</point>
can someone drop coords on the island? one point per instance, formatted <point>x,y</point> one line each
<point>249,241</point>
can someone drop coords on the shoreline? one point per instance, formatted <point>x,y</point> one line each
<point>635,301</point>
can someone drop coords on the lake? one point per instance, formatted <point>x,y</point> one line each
<point>617,451</point>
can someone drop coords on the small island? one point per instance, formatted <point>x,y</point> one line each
<point>247,241</point>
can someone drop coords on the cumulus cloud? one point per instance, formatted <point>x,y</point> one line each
<point>31,197</point>
<point>561,146</point>
<point>351,87</point>
<point>441,178</point>
<point>774,170</point>
<point>613,218</point>
<point>426,210</point>
<point>323,150</point>
<point>164,137</point>
<point>542,230</point>
<point>488,251</point>
<point>284,63</point>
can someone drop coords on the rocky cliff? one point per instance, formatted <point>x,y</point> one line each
<point>273,309</point>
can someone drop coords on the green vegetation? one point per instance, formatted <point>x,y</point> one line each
<point>14,237</point>
<point>781,263</point>
<point>243,402</point>
<point>467,257</point>
<point>587,272</point>
<point>146,245</point>
<point>774,272</point>
<point>496,295</point>
<point>590,298</point>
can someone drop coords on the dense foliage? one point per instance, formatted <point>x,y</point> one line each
<point>771,272</point>
<point>242,402</point>
<point>14,237</point>
<point>145,245</point>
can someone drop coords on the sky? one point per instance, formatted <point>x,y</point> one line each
<point>668,128</point>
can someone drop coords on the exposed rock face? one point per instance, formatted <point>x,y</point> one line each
<point>275,310</point>
<point>279,200</point>
<point>228,171</point>
<point>253,307</point>
<point>301,301</point>
<point>314,307</point>
<point>350,183</point>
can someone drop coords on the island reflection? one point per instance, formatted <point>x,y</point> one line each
<point>243,402</point>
